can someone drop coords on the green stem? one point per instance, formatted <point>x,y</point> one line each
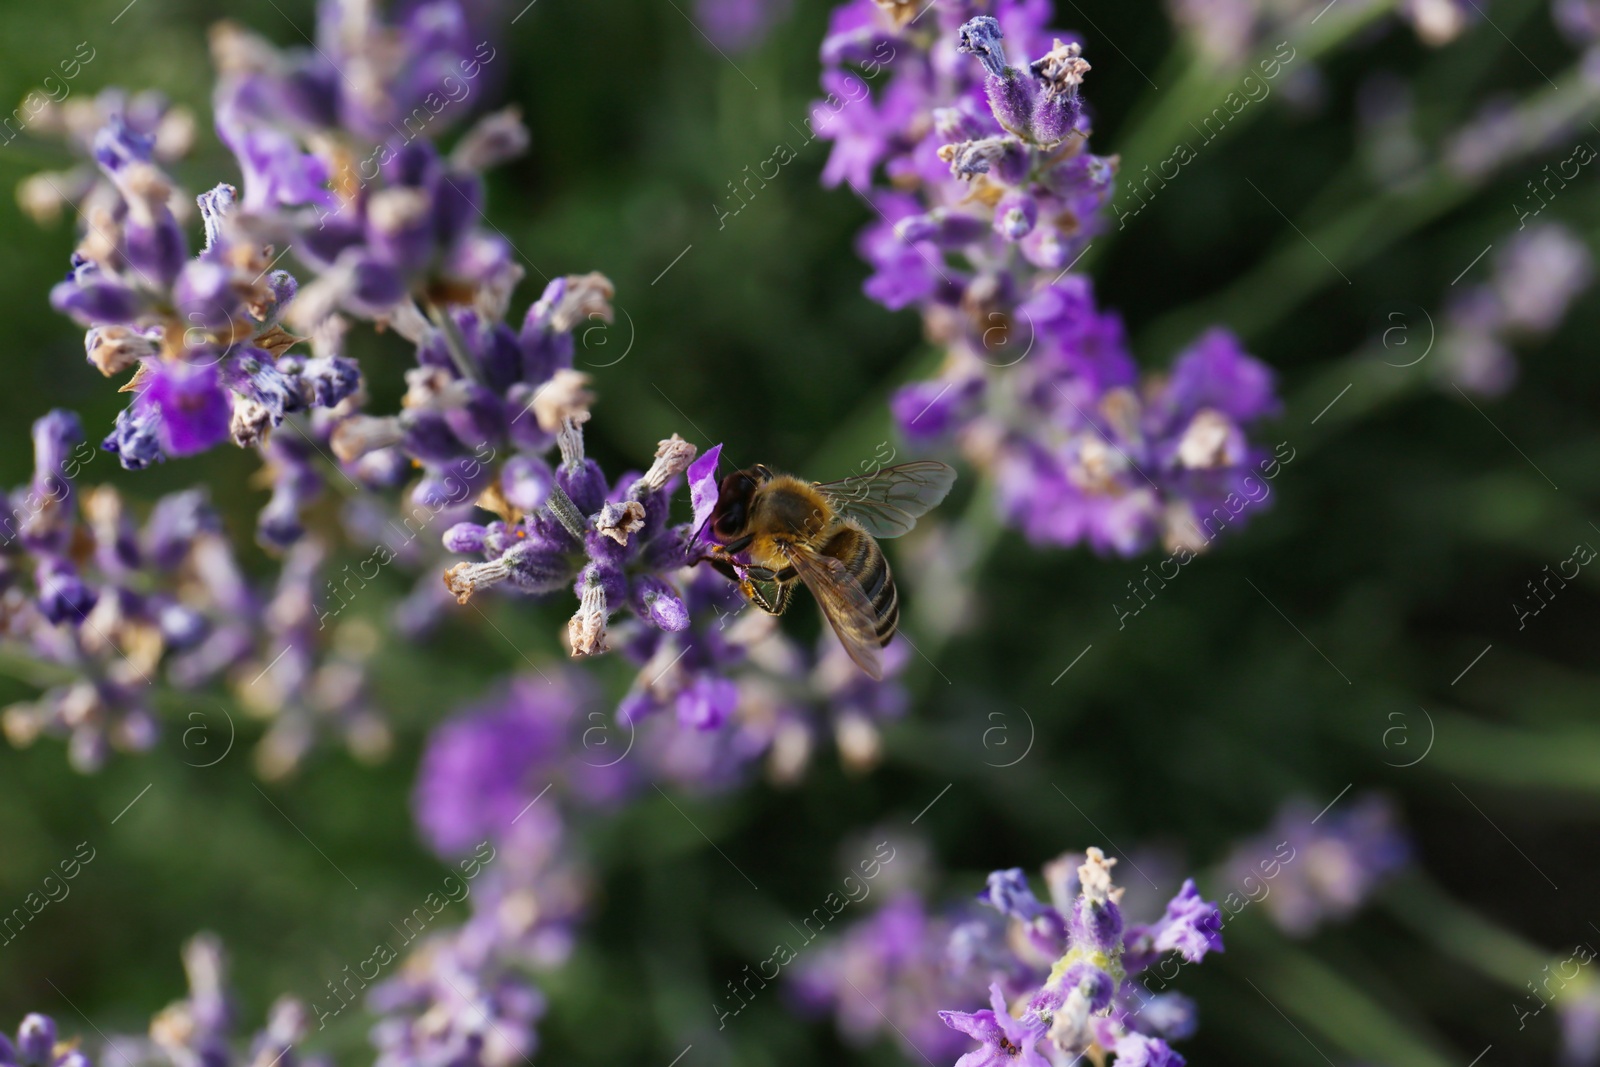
<point>1560,759</point>
<point>34,672</point>
<point>1305,264</point>
<point>1332,1006</point>
<point>1462,934</point>
<point>1202,86</point>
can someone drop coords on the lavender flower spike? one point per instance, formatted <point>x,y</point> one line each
<point>1081,1004</point>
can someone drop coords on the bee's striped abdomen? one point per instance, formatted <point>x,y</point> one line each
<point>867,565</point>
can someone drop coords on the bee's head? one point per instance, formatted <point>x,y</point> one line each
<point>734,494</point>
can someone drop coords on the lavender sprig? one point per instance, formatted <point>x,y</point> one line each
<point>991,196</point>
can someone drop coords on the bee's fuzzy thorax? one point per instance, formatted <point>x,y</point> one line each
<point>786,506</point>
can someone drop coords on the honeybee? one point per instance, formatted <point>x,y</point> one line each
<point>824,534</point>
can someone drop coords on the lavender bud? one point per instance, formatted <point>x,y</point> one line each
<point>450,484</point>
<point>495,139</point>
<point>499,537</point>
<point>1094,984</point>
<point>465,538</point>
<point>1008,893</point>
<point>36,1038</point>
<point>356,436</point>
<point>618,520</point>
<point>1015,216</point>
<point>955,124</point>
<point>525,481</point>
<point>91,299</point>
<point>283,286</point>
<point>426,436</point>
<point>1055,119</point>
<point>1012,97</point>
<point>707,702</point>
<point>673,457</point>
<point>1099,919</point>
<point>252,373</point>
<point>478,419</point>
<point>113,349</point>
<point>981,37</point>
<point>152,240</point>
<point>177,522</point>
<point>325,381</point>
<point>586,630</point>
<point>658,604</point>
<point>214,208</point>
<point>55,435</point>
<point>117,145</point>
<point>580,478</point>
<point>914,228</point>
<point>205,296</point>
<point>1061,69</point>
<point>1003,155</point>
<point>529,565</point>
<point>400,227</point>
<point>585,483</point>
<point>134,438</point>
<point>181,627</point>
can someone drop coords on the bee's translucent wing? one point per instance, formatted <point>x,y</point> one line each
<point>889,502</point>
<point>844,604</point>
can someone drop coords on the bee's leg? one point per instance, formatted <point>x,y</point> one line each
<point>771,597</point>
<point>745,583</point>
<point>722,567</point>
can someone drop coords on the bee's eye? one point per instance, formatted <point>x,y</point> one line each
<point>731,520</point>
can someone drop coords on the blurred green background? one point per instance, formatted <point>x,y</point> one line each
<point>1398,536</point>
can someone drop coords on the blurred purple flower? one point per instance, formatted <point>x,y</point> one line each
<point>1337,862</point>
<point>738,25</point>
<point>1536,277</point>
<point>485,769</point>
